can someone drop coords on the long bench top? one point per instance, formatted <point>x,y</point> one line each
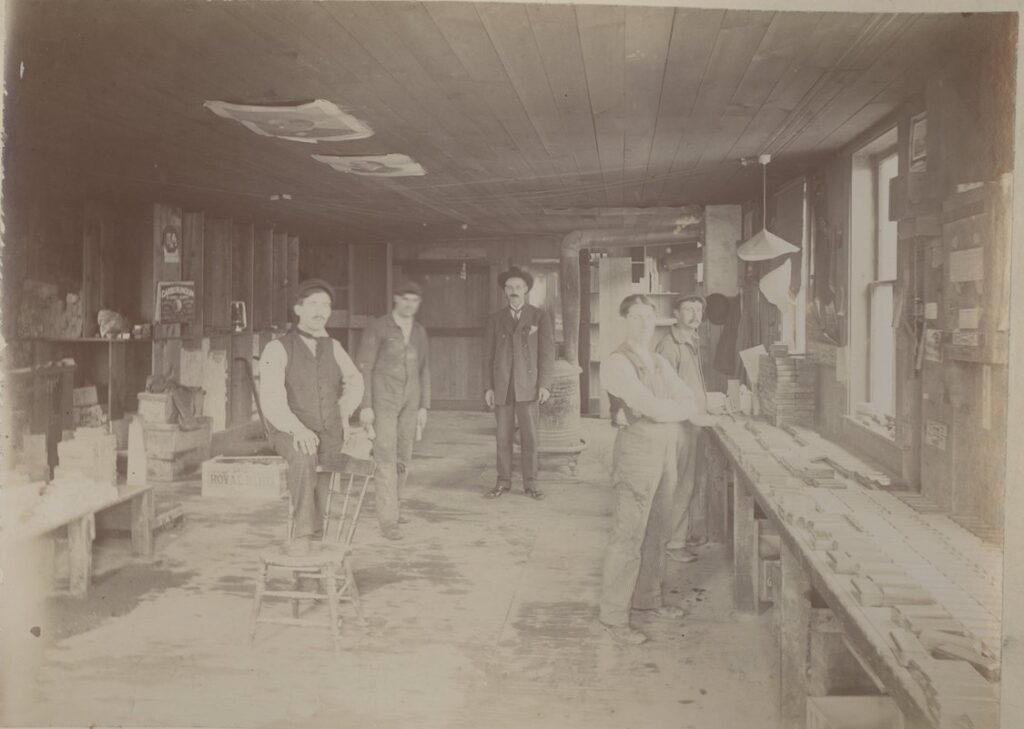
<point>952,566</point>
<point>38,527</point>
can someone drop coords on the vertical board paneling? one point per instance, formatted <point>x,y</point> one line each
<point>217,276</point>
<point>242,268</point>
<point>193,267</point>
<point>280,304</point>
<point>263,279</point>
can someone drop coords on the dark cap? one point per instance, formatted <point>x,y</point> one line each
<point>515,272</point>
<point>310,286</point>
<point>408,287</point>
<point>690,297</point>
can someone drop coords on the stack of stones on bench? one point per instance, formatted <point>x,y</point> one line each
<point>786,387</point>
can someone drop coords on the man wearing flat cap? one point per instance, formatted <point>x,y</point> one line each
<point>309,388</point>
<point>393,357</point>
<point>681,347</point>
<point>519,356</point>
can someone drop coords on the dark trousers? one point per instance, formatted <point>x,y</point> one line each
<point>527,414</point>
<point>307,506</point>
<point>395,424</point>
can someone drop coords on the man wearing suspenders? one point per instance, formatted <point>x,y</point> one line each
<point>648,401</point>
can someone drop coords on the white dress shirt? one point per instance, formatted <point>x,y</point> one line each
<point>619,377</point>
<point>274,397</point>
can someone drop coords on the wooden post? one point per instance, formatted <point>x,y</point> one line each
<point>584,343</point>
<point>714,482</point>
<point>80,534</point>
<point>192,267</point>
<point>242,269</point>
<point>143,514</point>
<point>794,638</point>
<point>744,553</point>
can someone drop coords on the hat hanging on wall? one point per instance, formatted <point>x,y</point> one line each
<point>764,245</point>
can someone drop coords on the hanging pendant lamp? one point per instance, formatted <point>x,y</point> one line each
<point>764,245</point>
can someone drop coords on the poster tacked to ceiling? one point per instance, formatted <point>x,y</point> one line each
<point>315,121</point>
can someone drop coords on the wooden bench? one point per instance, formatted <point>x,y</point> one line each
<point>957,570</point>
<point>81,529</point>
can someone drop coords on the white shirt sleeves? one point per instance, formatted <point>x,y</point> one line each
<point>352,392</point>
<point>274,397</point>
<point>619,378</point>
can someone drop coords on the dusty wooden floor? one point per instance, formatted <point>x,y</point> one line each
<point>484,616</point>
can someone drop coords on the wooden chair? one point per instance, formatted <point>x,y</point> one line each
<point>328,562</point>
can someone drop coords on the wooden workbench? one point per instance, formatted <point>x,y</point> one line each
<point>955,568</point>
<point>81,528</point>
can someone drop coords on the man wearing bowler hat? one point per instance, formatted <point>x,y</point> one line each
<point>393,358</point>
<point>309,388</point>
<point>519,356</point>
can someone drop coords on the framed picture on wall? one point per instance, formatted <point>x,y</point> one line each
<point>918,143</point>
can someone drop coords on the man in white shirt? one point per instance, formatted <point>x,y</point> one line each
<point>393,357</point>
<point>309,388</point>
<point>648,400</point>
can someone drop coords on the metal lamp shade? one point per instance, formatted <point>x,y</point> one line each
<point>764,246</point>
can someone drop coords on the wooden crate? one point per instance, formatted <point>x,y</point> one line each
<point>156,407</point>
<point>255,477</point>
<point>185,465</point>
<point>853,712</point>
<point>166,440</point>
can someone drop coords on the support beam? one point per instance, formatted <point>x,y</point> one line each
<point>143,515</point>
<point>80,535</point>
<point>744,552</point>
<point>794,638</point>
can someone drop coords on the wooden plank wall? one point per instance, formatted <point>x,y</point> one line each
<point>193,267</point>
<point>280,308</point>
<point>951,424</point>
<point>217,276</point>
<point>263,279</point>
<point>242,263</point>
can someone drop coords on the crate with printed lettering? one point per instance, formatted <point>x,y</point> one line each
<point>251,477</point>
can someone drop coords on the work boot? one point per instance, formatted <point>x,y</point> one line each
<point>625,634</point>
<point>298,547</point>
<point>403,519</point>
<point>392,532</point>
<point>681,555</point>
<point>671,612</point>
<point>531,490</point>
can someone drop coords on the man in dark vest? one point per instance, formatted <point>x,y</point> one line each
<point>393,358</point>
<point>649,401</point>
<point>519,357</point>
<point>309,388</point>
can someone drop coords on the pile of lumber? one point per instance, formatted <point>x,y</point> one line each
<point>786,387</point>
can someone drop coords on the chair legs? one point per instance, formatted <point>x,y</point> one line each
<point>257,602</point>
<point>350,587</point>
<point>331,589</point>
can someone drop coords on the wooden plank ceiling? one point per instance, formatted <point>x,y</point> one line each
<point>529,119</point>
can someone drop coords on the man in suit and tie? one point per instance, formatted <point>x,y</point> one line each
<point>519,356</point>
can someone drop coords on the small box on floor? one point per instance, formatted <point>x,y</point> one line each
<point>253,477</point>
